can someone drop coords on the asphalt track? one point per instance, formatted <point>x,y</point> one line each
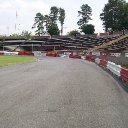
<point>61,93</point>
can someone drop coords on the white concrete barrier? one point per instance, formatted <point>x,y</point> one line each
<point>116,69</point>
<point>97,60</point>
<point>10,53</point>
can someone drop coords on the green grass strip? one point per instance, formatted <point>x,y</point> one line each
<point>14,60</point>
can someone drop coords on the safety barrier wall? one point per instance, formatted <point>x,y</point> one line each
<point>91,58</point>
<point>26,53</point>
<point>52,54</point>
<point>1,53</point>
<point>10,53</point>
<point>115,69</point>
<point>112,67</point>
<point>124,74</point>
<point>103,63</point>
<point>97,60</point>
<point>74,56</point>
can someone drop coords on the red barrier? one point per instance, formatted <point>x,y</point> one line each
<point>1,53</point>
<point>124,74</point>
<point>53,54</point>
<point>25,53</point>
<point>91,58</point>
<point>103,63</point>
<point>74,56</point>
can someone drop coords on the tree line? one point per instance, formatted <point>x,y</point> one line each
<point>49,23</point>
<point>114,16</point>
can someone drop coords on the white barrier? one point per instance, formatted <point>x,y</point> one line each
<point>10,53</point>
<point>97,60</point>
<point>38,53</point>
<point>64,56</point>
<point>116,69</point>
<point>96,53</point>
<point>83,57</point>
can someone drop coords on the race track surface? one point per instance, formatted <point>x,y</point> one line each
<point>61,93</point>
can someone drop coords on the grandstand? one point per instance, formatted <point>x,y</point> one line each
<point>110,43</point>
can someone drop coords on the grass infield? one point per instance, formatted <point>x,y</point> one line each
<point>13,60</point>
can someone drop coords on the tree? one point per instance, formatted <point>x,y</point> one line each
<point>26,34</point>
<point>125,17</point>
<point>47,21</point>
<point>39,24</point>
<point>88,29</point>
<point>53,14</point>
<point>61,18</point>
<point>85,13</point>
<point>53,30</point>
<point>73,33</point>
<point>16,35</point>
<point>113,15</point>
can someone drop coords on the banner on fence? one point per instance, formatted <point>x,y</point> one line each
<point>96,53</point>
<point>126,54</point>
<point>115,54</point>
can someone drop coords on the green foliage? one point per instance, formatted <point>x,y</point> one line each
<point>88,29</point>
<point>53,30</point>
<point>16,35</point>
<point>115,15</point>
<point>85,13</point>
<point>53,14</point>
<point>25,34</point>
<point>44,22</point>
<point>61,18</point>
<point>73,33</point>
<point>39,24</point>
<point>47,21</point>
<point>125,17</point>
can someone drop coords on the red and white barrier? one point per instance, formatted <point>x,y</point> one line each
<point>124,74</point>
<point>16,53</point>
<point>114,68</point>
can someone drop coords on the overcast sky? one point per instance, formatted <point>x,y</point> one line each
<point>27,9</point>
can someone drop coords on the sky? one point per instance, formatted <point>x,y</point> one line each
<point>27,9</point>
